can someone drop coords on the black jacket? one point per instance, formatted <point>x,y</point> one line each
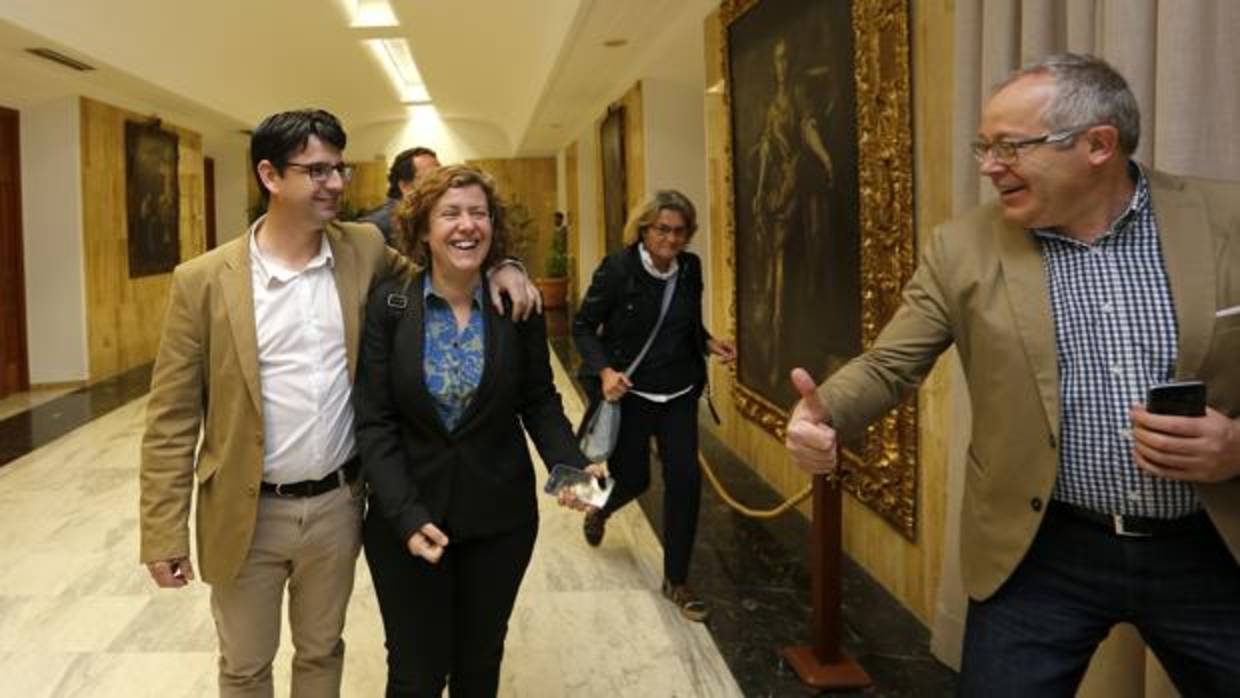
<point>619,311</point>
<point>478,479</point>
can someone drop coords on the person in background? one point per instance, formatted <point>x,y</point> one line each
<point>660,399</point>
<point>406,168</point>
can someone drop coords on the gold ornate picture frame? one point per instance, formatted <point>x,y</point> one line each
<point>819,231</point>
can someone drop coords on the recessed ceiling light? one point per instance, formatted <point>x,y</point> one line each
<point>615,43</point>
<point>370,13</point>
<point>397,61</point>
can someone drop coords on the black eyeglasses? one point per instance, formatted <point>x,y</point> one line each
<point>679,231</point>
<point>320,172</point>
<point>1008,152</point>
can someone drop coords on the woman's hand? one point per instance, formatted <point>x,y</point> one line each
<point>615,384</point>
<point>726,351</point>
<point>428,543</point>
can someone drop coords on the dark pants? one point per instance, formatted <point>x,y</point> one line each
<point>1035,636</point>
<point>674,426</point>
<point>450,618</point>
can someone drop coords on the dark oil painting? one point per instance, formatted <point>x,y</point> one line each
<point>152,199</point>
<point>794,158</point>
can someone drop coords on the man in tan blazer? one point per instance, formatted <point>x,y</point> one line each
<point>257,358</point>
<point>1089,280</point>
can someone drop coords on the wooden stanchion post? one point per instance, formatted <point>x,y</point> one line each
<point>823,663</point>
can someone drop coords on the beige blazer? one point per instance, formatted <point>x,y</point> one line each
<point>206,378</point>
<point>981,285</point>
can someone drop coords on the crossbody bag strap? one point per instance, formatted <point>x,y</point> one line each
<point>668,290</point>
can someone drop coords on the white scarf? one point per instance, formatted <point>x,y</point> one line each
<point>648,263</point>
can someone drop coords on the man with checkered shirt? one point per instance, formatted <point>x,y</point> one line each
<point>1089,280</point>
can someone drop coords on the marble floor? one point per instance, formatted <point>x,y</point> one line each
<point>79,617</point>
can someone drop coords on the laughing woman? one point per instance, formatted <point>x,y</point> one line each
<point>444,386</point>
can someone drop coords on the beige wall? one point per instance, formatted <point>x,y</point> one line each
<point>909,570</point>
<point>52,242</point>
<point>120,310</point>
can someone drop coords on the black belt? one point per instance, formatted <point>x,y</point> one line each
<point>1131,526</point>
<point>313,488</point>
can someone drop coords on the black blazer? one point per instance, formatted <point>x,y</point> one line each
<point>619,311</point>
<point>476,480</point>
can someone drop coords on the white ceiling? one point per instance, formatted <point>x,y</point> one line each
<point>535,70</point>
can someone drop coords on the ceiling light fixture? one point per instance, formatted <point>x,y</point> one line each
<point>370,13</point>
<point>397,60</point>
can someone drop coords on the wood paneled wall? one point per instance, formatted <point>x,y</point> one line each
<point>910,571</point>
<point>532,182</point>
<point>123,315</point>
<point>572,210</point>
<point>634,158</point>
<point>368,188</point>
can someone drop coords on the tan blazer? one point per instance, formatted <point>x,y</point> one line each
<point>206,375</point>
<point>981,284</point>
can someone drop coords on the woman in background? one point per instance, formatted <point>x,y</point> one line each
<point>660,398</point>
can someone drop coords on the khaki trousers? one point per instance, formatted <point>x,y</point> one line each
<point>310,544</point>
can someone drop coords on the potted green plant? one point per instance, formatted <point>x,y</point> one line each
<point>554,286</point>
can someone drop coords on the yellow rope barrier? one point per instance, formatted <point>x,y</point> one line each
<point>761,513</point>
<point>741,508</point>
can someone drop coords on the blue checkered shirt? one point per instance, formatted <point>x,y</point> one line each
<point>1115,334</point>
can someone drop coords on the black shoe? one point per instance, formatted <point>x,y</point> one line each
<point>594,526</point>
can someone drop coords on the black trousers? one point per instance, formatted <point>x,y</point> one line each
<point>448,619</point>
<point>673,425</point>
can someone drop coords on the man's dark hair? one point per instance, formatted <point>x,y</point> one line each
<point>402,169</point>
<point>280,136</point>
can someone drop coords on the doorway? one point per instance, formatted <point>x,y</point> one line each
<point>14,366</point>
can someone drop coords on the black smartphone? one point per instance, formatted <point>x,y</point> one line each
<point>1182,399</point>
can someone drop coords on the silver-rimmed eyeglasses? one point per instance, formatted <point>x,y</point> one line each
<point>1007,152</point>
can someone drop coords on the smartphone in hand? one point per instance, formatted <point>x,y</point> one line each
<point>584,486</point>
<point>1181,398</point>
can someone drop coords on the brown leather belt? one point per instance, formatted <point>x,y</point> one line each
<point>1131,526</point>
<point>312,488</point>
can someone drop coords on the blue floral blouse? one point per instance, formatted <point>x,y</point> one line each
<point>451,360</point>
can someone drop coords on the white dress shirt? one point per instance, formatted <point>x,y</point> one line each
<point>303,367</point>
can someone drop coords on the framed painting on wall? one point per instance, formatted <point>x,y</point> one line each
<point>820,225</point>
<point>615,186</point>
<point>152,199</point>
